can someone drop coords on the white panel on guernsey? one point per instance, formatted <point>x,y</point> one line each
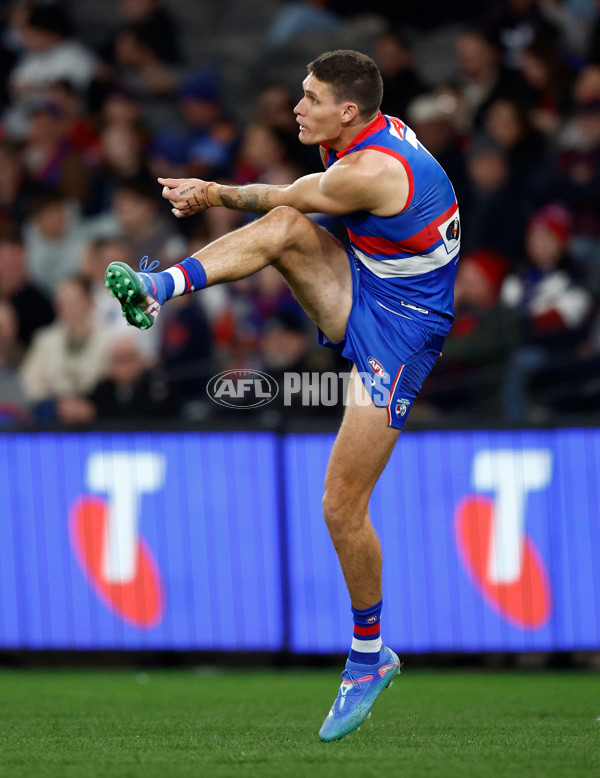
<point>417,264</point>
<point>408,266</point>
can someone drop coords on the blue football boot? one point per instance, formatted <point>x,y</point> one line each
<point>361,686</point>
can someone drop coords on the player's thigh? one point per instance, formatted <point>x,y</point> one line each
<point>361,450</point>
<point>317,269</point>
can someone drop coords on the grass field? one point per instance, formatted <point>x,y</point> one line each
<point>183,723</point>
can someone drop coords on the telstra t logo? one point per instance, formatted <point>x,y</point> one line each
<point>106,539</point>
<point>491,535</point>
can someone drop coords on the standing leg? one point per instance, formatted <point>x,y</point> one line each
<point>360,453</point>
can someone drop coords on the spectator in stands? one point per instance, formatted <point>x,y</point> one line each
<point>507,123</point>
<point>50,55</point>
<point>515,24</point>
<point>432,117</point>
<point>121,160</point>
<point>285,348</point>
<point>15,188</point>
<point>144,229</point>
<point>82,133</point>
<point>186,348</point>
<point>491,216</point>
<point>160,26</point>
<point>51,160</point>
<point>31,306</point>
<point>262,157</point>
<point>67,358</point>
<point>275,109</point>
<point>210,136</point>
<point>55,236</point>
<point>121,106</point>
<point>166,152</point>
<point>142,70</point>
<point>13,407</point>
<point>11,347</point>
<point>401,81</point>
<point>572,174</point>
<point>553,307</point>
<point>130,391</point>
<point>468,378</point>
<point>301,18</point>
<point>482,78</point>
<point>249,304</point>
<point>549,78</point>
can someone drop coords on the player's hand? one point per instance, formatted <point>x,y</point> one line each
<point>186,195</point>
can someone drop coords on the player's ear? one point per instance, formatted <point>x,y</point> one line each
<point>349,112</point>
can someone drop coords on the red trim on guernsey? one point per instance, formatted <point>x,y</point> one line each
<point>377,124</point>
<point>394,385</point>
<point>415,244</point>
<point>188,284</point>
<point>371,629</point>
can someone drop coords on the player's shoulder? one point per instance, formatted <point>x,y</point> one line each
<point>370,158</point>
<point>373,163</point>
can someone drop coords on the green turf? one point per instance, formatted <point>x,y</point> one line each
<point>169,724</point>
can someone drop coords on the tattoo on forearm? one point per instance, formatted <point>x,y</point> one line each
<point>247,200</point>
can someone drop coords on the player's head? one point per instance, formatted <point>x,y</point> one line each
<point>342,86</point>
<point>352,77</point>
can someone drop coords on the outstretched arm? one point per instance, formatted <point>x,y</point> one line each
<point>191,195</point>
<point>362,182</point>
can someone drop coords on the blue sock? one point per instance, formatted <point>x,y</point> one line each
<point>366,639</point>
<point>184,277</point>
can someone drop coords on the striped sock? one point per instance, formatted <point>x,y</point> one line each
<point>184,277</point>
<point>366,640</point>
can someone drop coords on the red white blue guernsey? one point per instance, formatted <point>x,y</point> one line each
<point>408,261</point>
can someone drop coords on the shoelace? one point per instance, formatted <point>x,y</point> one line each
<point>350,676</point>
<point>146,266</point>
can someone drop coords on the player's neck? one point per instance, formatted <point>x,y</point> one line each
<point>349,133</point>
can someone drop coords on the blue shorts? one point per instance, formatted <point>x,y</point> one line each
<point>393,353</point>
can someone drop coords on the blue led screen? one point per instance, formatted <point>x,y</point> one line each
<point>165,541</point>
<point>215,541</point>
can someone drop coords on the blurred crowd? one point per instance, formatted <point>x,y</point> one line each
<point>84,132</point>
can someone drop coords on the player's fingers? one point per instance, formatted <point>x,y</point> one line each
<point>177,213</point>
<point>172,183</point>
<point>166,192</point>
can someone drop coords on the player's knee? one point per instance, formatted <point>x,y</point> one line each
<point>343,514</point>
<point>289,225</point>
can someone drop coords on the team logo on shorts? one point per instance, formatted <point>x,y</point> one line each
<point>402,407</point>
<point>377,367</point>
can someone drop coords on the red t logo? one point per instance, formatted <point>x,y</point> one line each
<point>500,558</point>
<point>105,536</point>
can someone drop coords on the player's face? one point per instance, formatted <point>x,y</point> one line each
<point>318,114</point>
